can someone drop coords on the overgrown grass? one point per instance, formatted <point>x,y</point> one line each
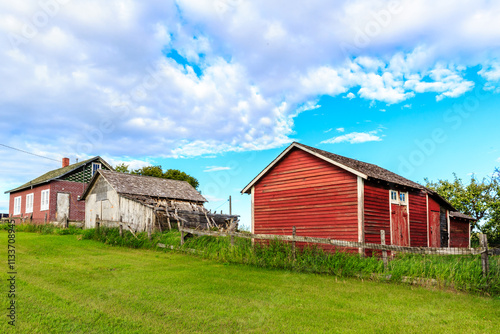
<point>66,285</point>
<point>461,273</point>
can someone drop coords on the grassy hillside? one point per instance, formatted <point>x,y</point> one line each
<point>65,285</point>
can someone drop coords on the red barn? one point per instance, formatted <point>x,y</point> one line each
<point>55,195</point>
<point>330,196</point>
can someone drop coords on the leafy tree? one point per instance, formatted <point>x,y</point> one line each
<point>479,199</point>
<point>157,171</point>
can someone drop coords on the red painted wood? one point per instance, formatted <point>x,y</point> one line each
<point>459,233</point>
<point>399,226</point>
<point>418,218</point>
<point>302,190</point>
<point>377,214</point>
<point>434,231</point>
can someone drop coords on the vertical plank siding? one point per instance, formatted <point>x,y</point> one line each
<point>459,234</point>
<point>302,190</point>
<point>418,219</point>
<point>377,215</point>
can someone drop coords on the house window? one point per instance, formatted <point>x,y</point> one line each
<point>95,167</point>
<point>29,203</point>
<point>17,205</point>
<point>44,204</point>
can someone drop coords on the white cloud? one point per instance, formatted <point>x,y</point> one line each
<point>349,96</point>
<point>209,169</point>
<point>340,129</point>
<point>354,138</point>
<point>406,106</point>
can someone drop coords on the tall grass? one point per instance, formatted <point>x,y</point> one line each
<point>461,273</point>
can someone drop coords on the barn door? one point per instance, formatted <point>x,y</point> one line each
<point>399,227</point>
<point>62,207</point>
<point>434,227</point>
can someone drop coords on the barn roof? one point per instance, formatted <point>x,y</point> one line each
<point>130,184</point>
<point>57,173</point>
<point>360,168</point>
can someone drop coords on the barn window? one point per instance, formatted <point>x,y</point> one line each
<point>403,198</point>
<point>17,205</point>
<point>95,167</point>
<point>29,203</point>
<point>394,196</point>
<point>44,203</point>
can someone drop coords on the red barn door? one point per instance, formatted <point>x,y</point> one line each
<point>399,226</point>
<point>434,233</point>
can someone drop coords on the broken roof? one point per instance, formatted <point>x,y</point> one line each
<point>360,168</point>
<point>457,214</point>
<point>56,174</point>
<point>150,186</point>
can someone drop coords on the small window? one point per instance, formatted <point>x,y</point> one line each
<point>44,204</point>
<point>29,203</point>
<point>403,197</point>
<point>394,196</point>
<point>17,205</point>
<point>95,167</point>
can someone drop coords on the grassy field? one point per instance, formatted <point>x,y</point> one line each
<point>65,285</point>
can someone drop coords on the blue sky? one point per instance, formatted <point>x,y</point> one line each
<point>219,88</point>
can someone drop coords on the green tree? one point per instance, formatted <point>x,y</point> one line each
<point>157,171</point>
<point>479,199</point>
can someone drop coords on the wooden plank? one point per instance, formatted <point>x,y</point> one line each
<point>483,241</point>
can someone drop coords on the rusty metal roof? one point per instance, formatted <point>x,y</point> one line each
<point>148,186</point>
<point>457,214</point>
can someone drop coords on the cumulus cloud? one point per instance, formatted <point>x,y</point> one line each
<point>350,96</point>
<point>340,129</point>
<point>354,138</point>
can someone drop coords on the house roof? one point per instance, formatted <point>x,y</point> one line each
<point>363,169</point>
<point>57,173</point>
<point>457,214</point>
<point>130,184</point>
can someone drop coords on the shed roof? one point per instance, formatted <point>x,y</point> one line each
<point>457,214</point>
<point>56,174</point>
<point>147,186</point>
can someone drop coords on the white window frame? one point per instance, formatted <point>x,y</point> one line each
<point>29,202</point>
<point>17,205</point>
<point>95,170</point>
<point>45,200</point>
<point>398,194</point>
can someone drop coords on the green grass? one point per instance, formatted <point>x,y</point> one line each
<point>66,285</point>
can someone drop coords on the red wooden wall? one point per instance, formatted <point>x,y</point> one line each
<point>302,190</point>
<point>459,234</point>
<point>418,218</point>
<point>377,214</point>
<point>434,232</point>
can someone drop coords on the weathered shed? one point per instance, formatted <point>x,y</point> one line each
<point>330,196</point>
<point>141,200</point>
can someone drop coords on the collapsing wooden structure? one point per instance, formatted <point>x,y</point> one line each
<point>143,202</point>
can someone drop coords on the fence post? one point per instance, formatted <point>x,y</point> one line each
<point>483,242</point>
<point>182,233</point>
<point>169,225</point>
<point>149,229</point>
<point>384,252</point>
<point>293,242</point>
<point>97,222</point>
<point>120,227</point>
<point>45,220</point>
<point>66,221</point>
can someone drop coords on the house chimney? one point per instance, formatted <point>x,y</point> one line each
<point>65,162</point>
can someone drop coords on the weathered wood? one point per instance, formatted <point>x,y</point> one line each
<point>182,233</point>
<point>343,243</point>
<point>66,221</point>
<point>169,225</point>
<point>131,231</point>
<point>120,227</point>
<point>293,242</point>
<point>483,242</point>
<point>384,252</point>
<point>150,227</point>
<point>45,220</point>
<point>208,220</point>
<point>97,222</point>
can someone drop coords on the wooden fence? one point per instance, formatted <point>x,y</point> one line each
<point>482,250</point>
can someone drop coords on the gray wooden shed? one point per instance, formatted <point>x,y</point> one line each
<point>142,200</point>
